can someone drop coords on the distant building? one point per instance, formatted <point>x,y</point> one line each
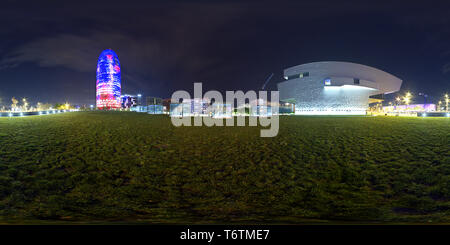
<point>151,105</point>
<point>258,107</point>
<point>154,105</point>
<point>153,101</point>
<point>199,107</point>
<point>335,88</point>
<point>166,105</point>
<point>410,108</point>
<point>189,107</point>
<point>108,85</point>
<point>129,101</point>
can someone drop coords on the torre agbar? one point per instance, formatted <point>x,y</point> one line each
<point>335,88</point>
<point>108,81</point>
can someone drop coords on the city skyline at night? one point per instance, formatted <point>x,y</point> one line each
<point>224,121</point>
<point>49,55</point>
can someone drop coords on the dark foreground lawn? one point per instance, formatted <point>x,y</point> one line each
<point>119,166</point>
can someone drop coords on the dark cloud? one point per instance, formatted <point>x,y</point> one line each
<point>446,68</point>
<point>150,41</point>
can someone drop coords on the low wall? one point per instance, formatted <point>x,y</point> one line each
<point>31,113</point>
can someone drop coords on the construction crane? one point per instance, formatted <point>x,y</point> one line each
<point>267,81</point>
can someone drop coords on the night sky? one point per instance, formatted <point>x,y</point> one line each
<point>49,49</point>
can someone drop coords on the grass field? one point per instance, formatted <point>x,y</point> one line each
<point>120,166</point>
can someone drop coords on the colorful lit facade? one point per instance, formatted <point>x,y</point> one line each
<point>108,81</point>
<point>410,108</point>
<point>129,101</point>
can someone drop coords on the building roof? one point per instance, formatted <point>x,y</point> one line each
<point>372,77</point>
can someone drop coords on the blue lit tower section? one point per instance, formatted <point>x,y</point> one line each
<point>108,81</point>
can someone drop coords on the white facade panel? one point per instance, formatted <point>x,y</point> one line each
<point>334,87</point>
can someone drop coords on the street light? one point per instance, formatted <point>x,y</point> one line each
<point>424,97</point>
<point>446,102</point>
<point>406,100</point>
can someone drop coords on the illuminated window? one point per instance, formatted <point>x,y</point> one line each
<point>327,82</point>
<point>301,75</point>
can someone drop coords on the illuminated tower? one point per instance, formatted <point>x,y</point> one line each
<point>108,81</point>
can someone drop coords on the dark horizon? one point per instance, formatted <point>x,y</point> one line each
<point>50,49</point>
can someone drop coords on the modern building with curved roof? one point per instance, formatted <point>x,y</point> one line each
<point>335,88</point>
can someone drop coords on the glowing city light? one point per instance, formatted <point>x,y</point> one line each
<point>407,98</point>
<point>446,102</point>
<point>108,81</point>
<point>347,86</point>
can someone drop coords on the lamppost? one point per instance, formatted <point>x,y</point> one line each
<point>439,105</point>
<point>407,98</point>
<point>424,97</point>
<point>398,100</point>
<point>25,104</point>
<point>139,102</point>
<point>446,102</point>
